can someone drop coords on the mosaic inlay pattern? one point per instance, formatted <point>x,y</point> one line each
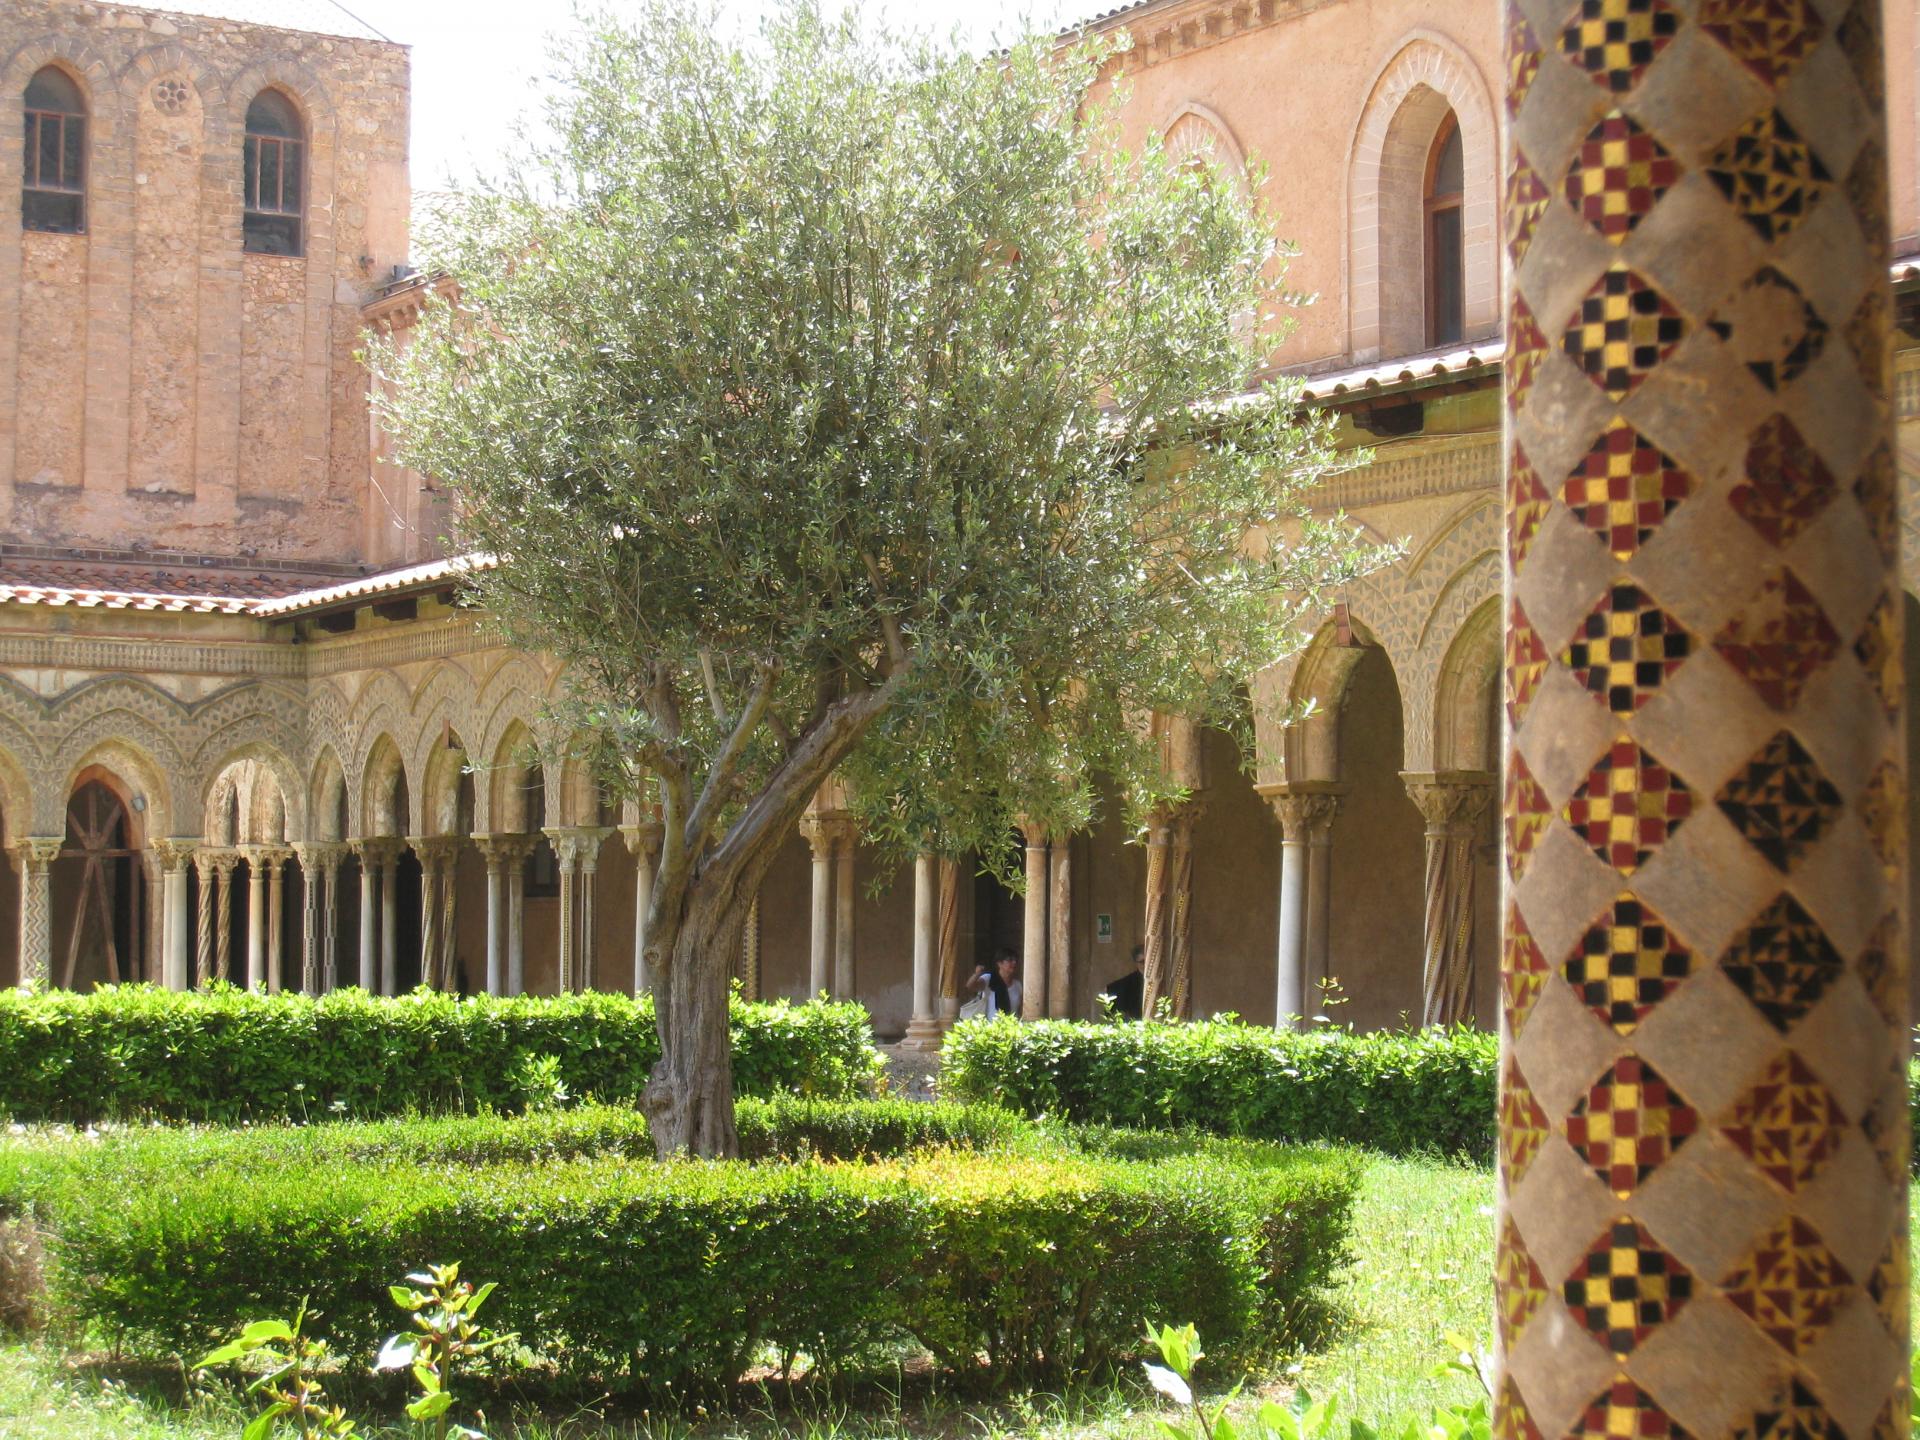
<point>1883,809</point>
<point>1629,1123</point>
<point>1526,348</point>
<point>1628,807</point>
<point>1527,201</point>
<point>1522,1288</point>
<point>1790,1285</point>
<point>1523,58</point>
<point>1878,493</point>
<point>1769,175</point>
<point>1624,489</point>
<point>1622,331</point>
<point>1789,1125</point>
<point>1787,486</point>
<point>1782,962</point>
<point>1781,801</point>
<point>1793,1412</point>
<point>1780,641</point>
<point>1523,1125</point>
<point>1772,328</point>
<point>1769,37</point>
<point>1626,648</point>
<point>1882,969</point>
<point>1523,973</point>
<point>1527,505</point>
<point>1626,1286</point>
<point>1527,815</point>
<point>1627,963</point>
<point>1623,1411</point>
<point>1526,663</point>
<point>1878,649</point>
<point>1618,175</point>
<point>1615,41</point>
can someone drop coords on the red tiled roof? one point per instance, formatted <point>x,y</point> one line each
<point>155,579</point>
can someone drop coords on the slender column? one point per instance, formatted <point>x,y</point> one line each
<point>154,935</point>
<point>1290,995</point>
<point>643,841</point>
<point>1452,805</point>
<point>34,856</point>
<point>923,1030</point>
<point>256,919</point>
<point>431,854</point>
<point>1703,1130</point>
<point>517,917</point>
<point>450,976</point>
<point>1320,898</point>
<point>369,907</point>
<point>390,917</point>
<point>1033,928</point>
<point>174,856</point>
<point>224,864</point>
<point>318,862</point>
<point>330,918</point>
<point>569,858</point>
<point>820,839</point>
<point>1155,975</point>
<point>203,867</point>
<point>1180,910</point>
<point>1060,926</point>
<point>494,854</point>
<point>589,840</point>
<point>950,971</point>
<point>843,897</point>
<point>275,860</point>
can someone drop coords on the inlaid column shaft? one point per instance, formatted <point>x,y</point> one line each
<point>1180,911</point>
<point>275,859</point>
<point>1452,806</point>
<point>951,976</point>
<point>1703,1133</point>
<point>34,858</point>
<point>203,869</point>
<point>1156,975</point>
<point>844,897</point>
<point>1059,926</point>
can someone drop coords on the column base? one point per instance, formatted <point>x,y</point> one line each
<point>924,1035</point>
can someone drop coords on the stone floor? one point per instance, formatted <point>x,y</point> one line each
<point>912,1073</point>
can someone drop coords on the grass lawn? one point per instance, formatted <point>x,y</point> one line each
<point>1422,1267</point>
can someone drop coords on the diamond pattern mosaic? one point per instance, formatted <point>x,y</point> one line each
<point>1526,348</point>
<point>1523,1125</point>
<point>1625,488</point>
<point>1876,490</point>
<point>1526,663</point>
<point>1618,174</point>
<point>1628,962</point>
<point>1881,967</point>
<point>1626,1286</point>
<point>1523,58</point>
<point>1769,175</point>
<point>1889,1284</point>
<point>1769,37</point>
<point>1628,806</point>
<point>1788,1124</point>
<point>1626,648</point>
<point>1772,328</point>
<point>1527,815</point>
<point>1622,331</point>
<point>1781,801</point>
<point>1786,485</point>
<point>1889,1130</point>
<point>1526,201</point>
<point>1511,1418</point>
<point>1523,973</point>
<point>1623,1411</point>
<point>1793,1412</point>
<point>1527,505</point>
<point>1789,1284</point>
<point>1615,41</point>
<point>1883,810</point>
<point>1779,641</point>
<point>1630,1122</point>
<point>1518,1282</point>
<point>1860,42</point>
<point>1878,649</point>
<point>1782,962</point>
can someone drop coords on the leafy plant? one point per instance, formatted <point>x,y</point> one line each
<point>446,1337</point>
<point>289,1384</point>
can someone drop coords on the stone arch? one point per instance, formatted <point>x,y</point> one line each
<point>326,794</point>
<point>16,797</point>
<point>81,63</point>
<point>268,786</point>
<point>1466,720</point>
<point>140,780</point>
<point>171,58</point>
<point>383,786</point>
<point>443,773</point>
<point>1427,76</point>
<point>1310,747</point>
<point>504,790</point>
<point>1194,132</point>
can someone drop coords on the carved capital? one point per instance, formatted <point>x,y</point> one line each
<point>271,857</point>
<point>1302,812</point>
<point>175,854</point>
<point>1451,802</point>
<point>503,852</point>
<point>36,852</point>
<point>644,838</point>
<point>319,856</point>
<point>376,852</point>
<point>827,833</point>
<point>578,846</point>
<point>226,860</point>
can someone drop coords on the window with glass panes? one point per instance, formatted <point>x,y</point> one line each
<point>1446,270</point>
<point>53,185</point>
<point>275,179</point>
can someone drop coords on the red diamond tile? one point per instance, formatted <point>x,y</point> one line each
<point>1630,1123</point>
<point>1628,807</point>
<point>1787,484</point>
<point>1624,489</point>
<point>1788,1124</point>
<point>1779,641</point>
<point>1618,175</point>
<point>1626,1286</point>
<point>1769,37</point>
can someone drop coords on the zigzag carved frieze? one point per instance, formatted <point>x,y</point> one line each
<point>1439,468</point>
<point>151,656</point>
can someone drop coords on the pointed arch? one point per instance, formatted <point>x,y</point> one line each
<point>1466,718</point>
<point>329,816</point>
<point>384,792</point>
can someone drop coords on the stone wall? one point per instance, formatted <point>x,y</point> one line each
<point>162,384</point>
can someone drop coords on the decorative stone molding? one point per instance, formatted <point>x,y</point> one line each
<point>1450,802</point>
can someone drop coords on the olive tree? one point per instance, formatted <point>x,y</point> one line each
<point>837,397</point>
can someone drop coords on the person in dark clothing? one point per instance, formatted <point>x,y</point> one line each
<point>1124,995</point>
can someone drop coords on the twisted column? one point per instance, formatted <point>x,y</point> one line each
<point>1703,1128</point>
<point>34,857</point>
<point>1156,977</point>
<point>330,862</point>
<point>319,862</point>
<point>951,974</point>
<point>224,863</point>
<point>431,851</point>
<point>1180,910</point>
<point>204,869</point>
<point>750,951</point>
<point>174,856</point>
<point>1452,806</point>
<point>275,859</point>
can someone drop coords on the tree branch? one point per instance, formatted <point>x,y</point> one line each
<point>719,787</point>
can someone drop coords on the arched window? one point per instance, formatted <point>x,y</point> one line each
<point>53,188</point>
<point>276,173</point>
<point>1446,270</point>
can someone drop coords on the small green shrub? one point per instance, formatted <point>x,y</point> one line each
<point>1398,1092</point>
<point>678,1274</point>
<point>231,1055</point>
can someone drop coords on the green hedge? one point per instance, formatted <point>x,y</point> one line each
<point>139,1052</point>
<point>682,1274</point>
<point>1401,1092</point>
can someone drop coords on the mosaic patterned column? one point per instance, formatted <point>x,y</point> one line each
<point>34,856</point>
<point>1180,909</point>
<point>1703,1127</point>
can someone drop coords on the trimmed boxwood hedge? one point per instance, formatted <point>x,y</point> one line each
<point>1401,1092</point>
<point>136,1052</point>
<point>683,1274</point>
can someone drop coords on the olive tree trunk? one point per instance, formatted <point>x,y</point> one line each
<point>689,1097</point>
